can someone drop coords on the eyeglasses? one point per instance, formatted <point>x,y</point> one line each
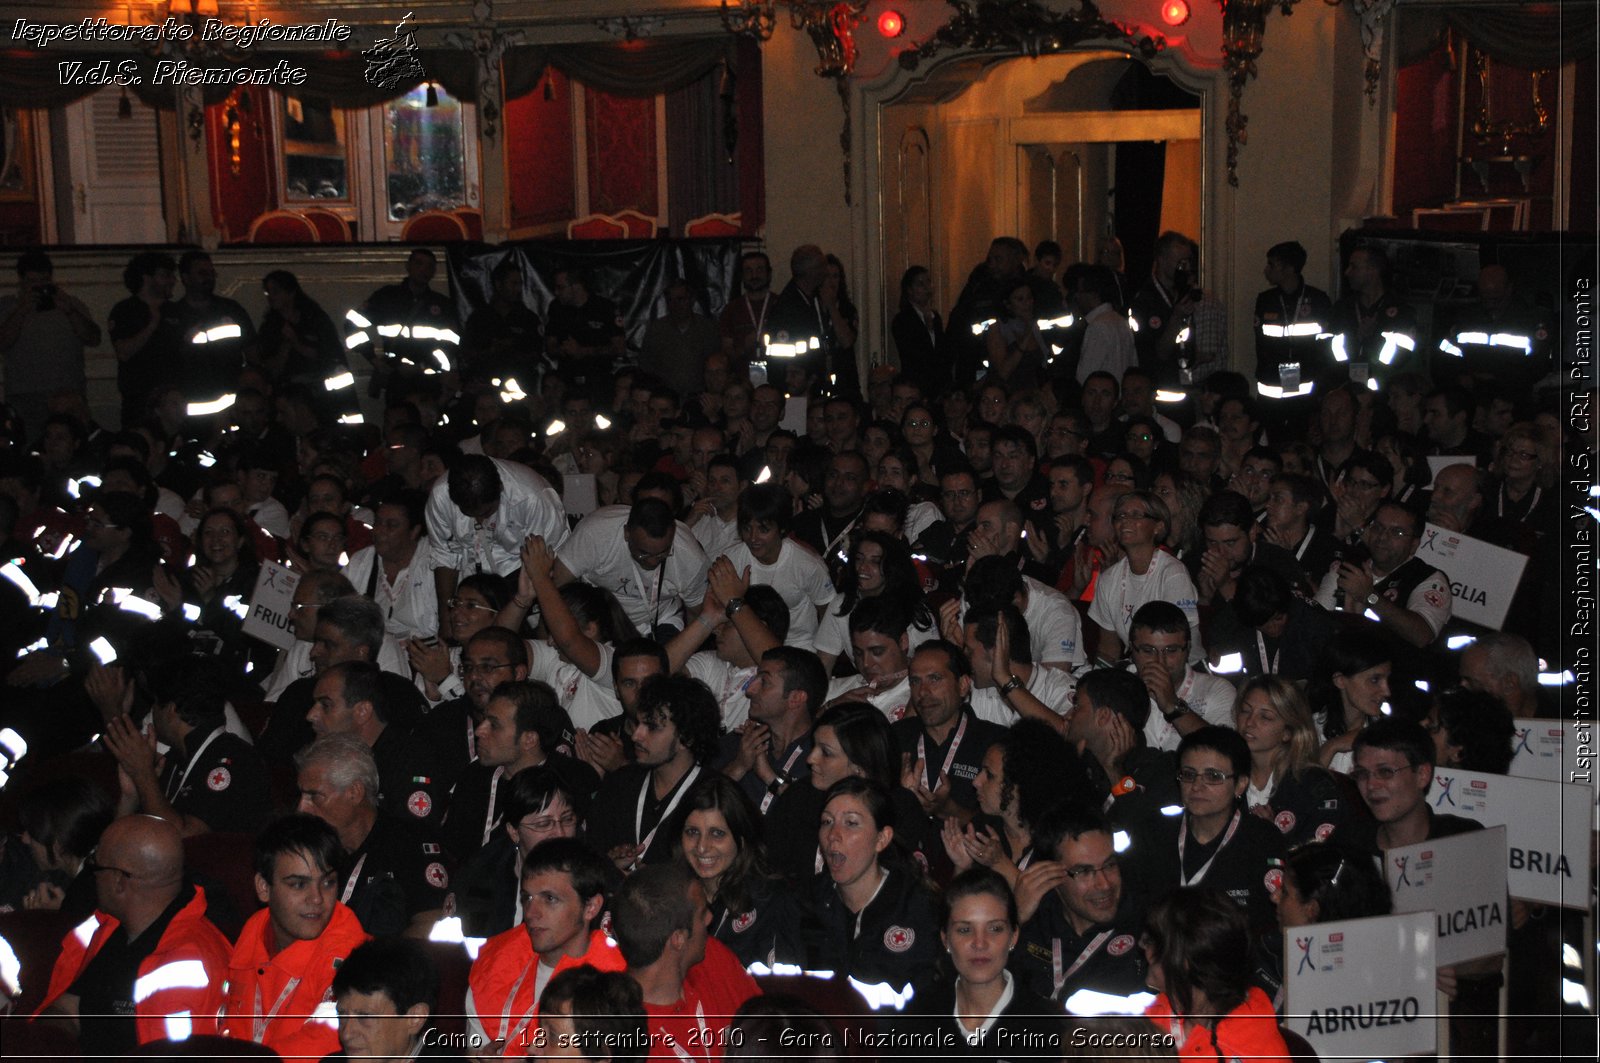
<point>1208,776</point>
<point>94,867</point>
<point>1083,871</point>
<point>546,824</point>
<point>465,603</point>
<point>642,557</point>
<point>1388,530</point>
<point>1383,773</point>
<point>467,668</point>
<point>1525,455</point>
<point>1180,649</point>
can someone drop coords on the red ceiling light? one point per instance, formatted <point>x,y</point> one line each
<point>1174,12</point>
<point>891,24</point>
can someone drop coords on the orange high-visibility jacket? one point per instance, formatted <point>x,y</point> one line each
<point>503,975</point>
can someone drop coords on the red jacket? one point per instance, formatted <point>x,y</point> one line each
<point>1248,1033</point>
<point>179,987</point>
<point>504,969</point>
<point>285,1000</point>
<point>696,1026</point>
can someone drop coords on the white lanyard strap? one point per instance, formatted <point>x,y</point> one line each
<point>758,319</point>
<point>638,815</point>
<point>1083,958</point>
<point>263,1021</point>
<point>949,758</point>
<point>1271,667</point>
<point>1500,505</point>
<point>489,818</point>
<point>511,1032</point>
<point>766,802</point>
<point>705,1033</point>
<point>189,767</point>
<point>355,876</point>
<point>1183,835</point>
<point>862,913</point>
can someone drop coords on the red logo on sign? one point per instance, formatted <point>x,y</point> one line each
<point>1335,938</point>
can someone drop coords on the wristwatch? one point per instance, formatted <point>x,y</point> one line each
<point>1012,683</point>
<point>731,607</point>
<point>779,781</point>
<point>1372,599</point>
<point>1179,709</point>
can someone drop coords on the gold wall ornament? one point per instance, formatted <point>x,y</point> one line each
<point>830,24</point>
<point>1243,24</point>
<point>1486,130</point>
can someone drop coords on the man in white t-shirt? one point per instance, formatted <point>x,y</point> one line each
<point>1182,699</point>
<point>775,560</point>
<point>1055,632</point>
<point>643,556</point>
<point>881,651</point>
<point>1006,684</point>
<point>747,621</point>
<point>714,514</point>
<point>480,512</point>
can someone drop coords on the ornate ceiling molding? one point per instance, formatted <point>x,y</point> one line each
<point>1023,27</point>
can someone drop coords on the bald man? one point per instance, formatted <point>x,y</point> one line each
<point>147,964</point>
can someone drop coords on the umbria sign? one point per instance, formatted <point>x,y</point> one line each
<point>1547,829</point>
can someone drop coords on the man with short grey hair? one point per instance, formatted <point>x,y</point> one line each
<point>393,875</point>
<point>1506,666</point>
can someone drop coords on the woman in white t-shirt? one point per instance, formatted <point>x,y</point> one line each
<point>1146,573</point>
<point>879,565</point>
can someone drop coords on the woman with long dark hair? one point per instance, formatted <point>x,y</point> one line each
<point>1017,351</point>
<point>1351,693</point>
<point>984,1009</point>
<point>1195,940</point>
<point>850,740</point>
<point>879,565</point>
<point>871,915</point>
<point>721,843</point>
<point>1022,778</point>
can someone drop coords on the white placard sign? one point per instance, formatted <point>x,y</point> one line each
<point>1362,988</point>
<point>794,415</point>
<point>1483,577</point>
<point>578,493</point>
<point>270,605</point>
<point>1547,829</point>
<point>1462,881</point>
<point>1444,461</point>
<point>1538,750</point>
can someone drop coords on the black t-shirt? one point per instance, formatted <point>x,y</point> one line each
<point>615,817</point>
<point>502,343</point>
<point>107,1027</point>
<point>1237,865</point>
<point>963,750</point>
<point>398,871</point>
<point>156,363</point>
<point>1048,948</point>
<point>224,783</point>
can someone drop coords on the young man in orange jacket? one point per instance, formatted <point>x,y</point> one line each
<point>280,978</point>
<point>148,964</point>
<point>565,885</point>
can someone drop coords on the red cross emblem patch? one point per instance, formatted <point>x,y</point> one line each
<point>744,922</point>
<point>219,779</point>
<point>899,938</point>
<point>420,804</point>
<point>1273,879</point>
<point>436,875</point>
<point>1120,944</point>
<point>1284,821</point>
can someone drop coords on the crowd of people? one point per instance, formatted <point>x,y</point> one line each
<point>1056,664</point>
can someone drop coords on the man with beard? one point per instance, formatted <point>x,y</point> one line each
<point>942,746</point>
<point>743,321</point>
